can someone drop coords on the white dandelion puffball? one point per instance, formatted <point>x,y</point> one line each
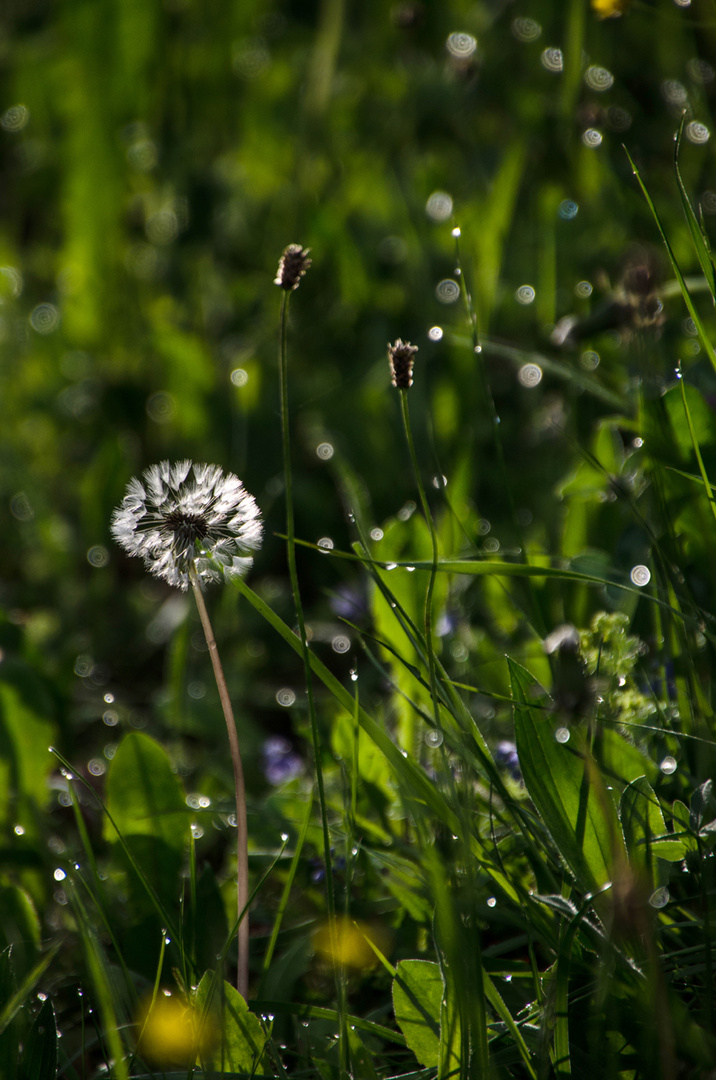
<point>183,515</point>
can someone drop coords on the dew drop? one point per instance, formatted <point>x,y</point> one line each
<point>530,375</point>
<point>697,133</point>
<point>562,735</point>
<point>640,575</point>
<point>525,294</point>
<point>668,765</point>
<point>659,898</point>
<point>447,291</point>
<point>598,78</point>
<point>439,206</point>
<point>552,59</point>
<point>461,45</point>
<point>284,837</point>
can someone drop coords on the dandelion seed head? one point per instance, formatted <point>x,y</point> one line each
<point>183,515</point>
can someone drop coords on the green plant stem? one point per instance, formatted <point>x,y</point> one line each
<point>538,619</point>
<point>434,560</point>
<point>293,574</point>
<point>242,836</point>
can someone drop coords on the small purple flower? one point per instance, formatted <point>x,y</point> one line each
<point>506,756</point>
<point>280,762</point>
<point>349,602</point>
<point>446,624</point>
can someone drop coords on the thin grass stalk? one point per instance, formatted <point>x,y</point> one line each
<point>293,574</point>
<point>283,903</point>
<point>428,615</point>
<point>537,618</point>
<point>242,836</point>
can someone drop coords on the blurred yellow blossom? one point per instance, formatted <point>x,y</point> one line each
<point>609,9</point>
<point>348,945</point>
<point>171,1032</point>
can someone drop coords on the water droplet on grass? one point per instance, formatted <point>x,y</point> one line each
<point>640,575</point>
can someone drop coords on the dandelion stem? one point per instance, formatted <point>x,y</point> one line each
<point>242,852</point>
<point>293,573</point>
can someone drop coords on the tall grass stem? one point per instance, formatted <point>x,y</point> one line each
<point>300,619</point>
<point>428,614</point>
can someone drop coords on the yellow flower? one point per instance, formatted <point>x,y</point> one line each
<point>170,1032</point>
<point>609,9</point>
<point>347,946</point>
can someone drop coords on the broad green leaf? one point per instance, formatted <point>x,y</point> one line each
<point>622,760</point>
<point>242,1042</point>
<point>19,927</point>
<point>40,1060</point>
<point>566,789</point>
<point>26,731</point>
<point>643,823</point>
<point>681,820</point>
<point>144,795</point>
<point>701,428</point>
<point>417,1000</point>
<point>146,802</point>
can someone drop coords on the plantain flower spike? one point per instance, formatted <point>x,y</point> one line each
<point>293,264</point>
<point>401,356</point>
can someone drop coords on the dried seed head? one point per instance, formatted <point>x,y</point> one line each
<point>401,356</point>
<point>293,264</point>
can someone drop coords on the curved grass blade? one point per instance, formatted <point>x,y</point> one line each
<point>703,336</point>
<point>697,449</point>
<point>699,236</point>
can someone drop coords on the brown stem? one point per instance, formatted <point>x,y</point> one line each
<point>242,836</point>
